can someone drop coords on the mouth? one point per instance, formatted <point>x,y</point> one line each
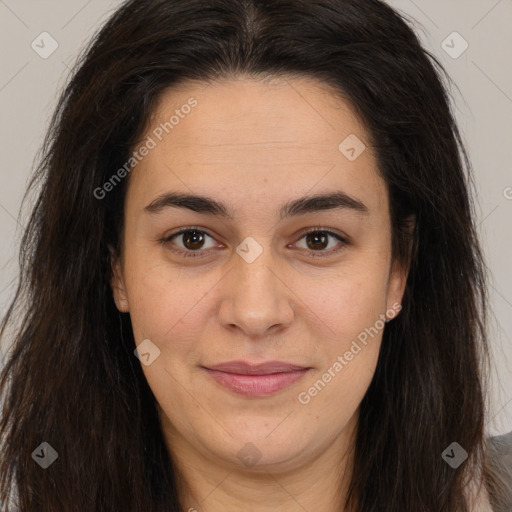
<point>256,380</point>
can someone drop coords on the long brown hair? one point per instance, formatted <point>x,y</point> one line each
<point>72,380</point>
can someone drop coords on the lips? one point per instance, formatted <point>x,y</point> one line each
<point>256,380</point>
<point>246,368</point>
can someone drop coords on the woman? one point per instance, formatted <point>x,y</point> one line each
<point>253,274</point>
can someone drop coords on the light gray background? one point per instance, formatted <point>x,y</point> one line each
<point>29,87</point>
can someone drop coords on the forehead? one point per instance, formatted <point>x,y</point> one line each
<point>248,135</point>
<point>247,112</point>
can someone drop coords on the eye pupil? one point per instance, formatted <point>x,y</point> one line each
<point>319,235</point>
<point>194,238</point>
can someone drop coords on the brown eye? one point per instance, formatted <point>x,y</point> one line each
<point>193,240</point>
<point>190,242</point>
<point>317,240</point>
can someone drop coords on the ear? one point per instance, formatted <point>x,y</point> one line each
<point>400,271</point>
<point>117,283</point>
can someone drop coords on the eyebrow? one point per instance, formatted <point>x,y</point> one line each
<point>303,205</point>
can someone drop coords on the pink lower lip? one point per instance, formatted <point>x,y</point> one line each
<point>256,385</point>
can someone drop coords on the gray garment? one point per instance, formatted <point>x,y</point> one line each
<point>500,450</point>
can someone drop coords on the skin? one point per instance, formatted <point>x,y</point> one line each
<point>254,145</point>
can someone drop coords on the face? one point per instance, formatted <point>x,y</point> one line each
<point>262,272</point>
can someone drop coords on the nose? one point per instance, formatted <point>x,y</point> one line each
<point>256,298</point>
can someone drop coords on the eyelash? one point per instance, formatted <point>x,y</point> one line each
<point>314,254</point>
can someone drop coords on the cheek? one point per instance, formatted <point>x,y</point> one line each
<point>349,309</point>
<point>336,391</point>
<point>164,309</point>
<point>348,346</point>
<point>348,301</point>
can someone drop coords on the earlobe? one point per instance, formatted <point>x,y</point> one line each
<point>117,284</point>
